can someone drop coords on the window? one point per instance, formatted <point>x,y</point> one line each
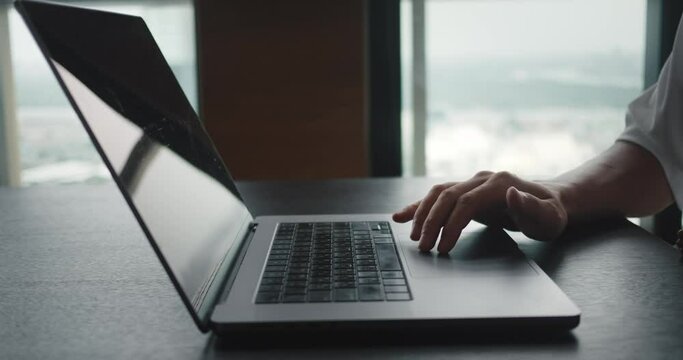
<point>533,87</point>
<point>54,147</point>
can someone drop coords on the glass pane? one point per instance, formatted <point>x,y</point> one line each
<point>54,146</point>
<point>533,87</point>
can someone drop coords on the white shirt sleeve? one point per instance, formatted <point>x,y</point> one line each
<point>655,119</point>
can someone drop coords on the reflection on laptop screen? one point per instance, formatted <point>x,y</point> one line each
<point>149,134</point>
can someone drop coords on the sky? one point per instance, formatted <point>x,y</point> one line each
<point>466,29</point>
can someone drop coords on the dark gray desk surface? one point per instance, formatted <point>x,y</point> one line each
<point>78,280</point>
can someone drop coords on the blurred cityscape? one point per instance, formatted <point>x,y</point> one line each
<point>532,87</point>
<point>54,147</point>
<point>535,117</point>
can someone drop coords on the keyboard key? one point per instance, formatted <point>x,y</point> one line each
<point>297,277</point>
<point>340,278</point>
<point>363,246</point>
<point>295,284</point>
<point>273,274</point>
<point>269,288</point>
<point>395,289</point>
<point>344,285</point>
<point>275,268</point>
<point>375,226</point>
<point>298,267</point>
<point>344,272</point>
<point>320,286</point>
<point>320,296</point>
<point>392,275</point>
<point>368,281</point>
<point>370,293</point>
<point>364,274</point>
<point>295,291</point>
<point>271,281</point>
<point>267,298</point>
<point>388,260</point>
<point>397,296</point>
<point>345,295</point>
<point>321,280</point>
<point>277,263</point>
<point>343,266</point>
<point>367,268</point>
<point>394,282</point>
<point>294,298</point>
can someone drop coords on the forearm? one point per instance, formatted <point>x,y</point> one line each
<point>625,180</point>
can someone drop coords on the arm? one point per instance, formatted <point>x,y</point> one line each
<point>625,180</point>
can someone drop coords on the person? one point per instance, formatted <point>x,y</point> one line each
<point>639,175</point>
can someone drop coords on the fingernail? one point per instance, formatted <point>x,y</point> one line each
<point>413,234</point>
<point>421,247</point>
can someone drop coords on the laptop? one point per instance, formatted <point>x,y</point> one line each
<point>235,272</point>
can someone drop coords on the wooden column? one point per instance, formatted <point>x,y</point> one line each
<point>283,86</point>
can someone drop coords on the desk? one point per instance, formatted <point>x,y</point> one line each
<point>78,280</point>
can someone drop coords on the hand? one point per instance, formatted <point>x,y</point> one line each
<point>494,199</point>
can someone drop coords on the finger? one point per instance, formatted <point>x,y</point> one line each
<point>438,214</point>
<point>407,213</point>
<point>423,208</point>
<point>468,206</point>
<point>537,218</point>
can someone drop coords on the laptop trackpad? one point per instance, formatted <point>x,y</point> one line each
<point>488,252</point>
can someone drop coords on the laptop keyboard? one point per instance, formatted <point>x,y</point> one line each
<point>333,262</point>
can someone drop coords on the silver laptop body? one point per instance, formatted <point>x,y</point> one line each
<point>215,253</point>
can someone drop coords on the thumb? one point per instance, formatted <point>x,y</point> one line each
<point>537,218</point>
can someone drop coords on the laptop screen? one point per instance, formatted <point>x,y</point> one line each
<point>149,136</point>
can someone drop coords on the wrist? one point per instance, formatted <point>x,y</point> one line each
<point>566,194</point>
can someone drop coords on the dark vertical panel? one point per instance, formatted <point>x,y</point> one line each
<point>283,86</point>
<point>663,17</point>
<point>384,66</point>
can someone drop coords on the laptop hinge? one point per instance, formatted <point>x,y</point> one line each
<point>224,281</point>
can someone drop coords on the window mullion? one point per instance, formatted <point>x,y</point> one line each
<point>9,145</point>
